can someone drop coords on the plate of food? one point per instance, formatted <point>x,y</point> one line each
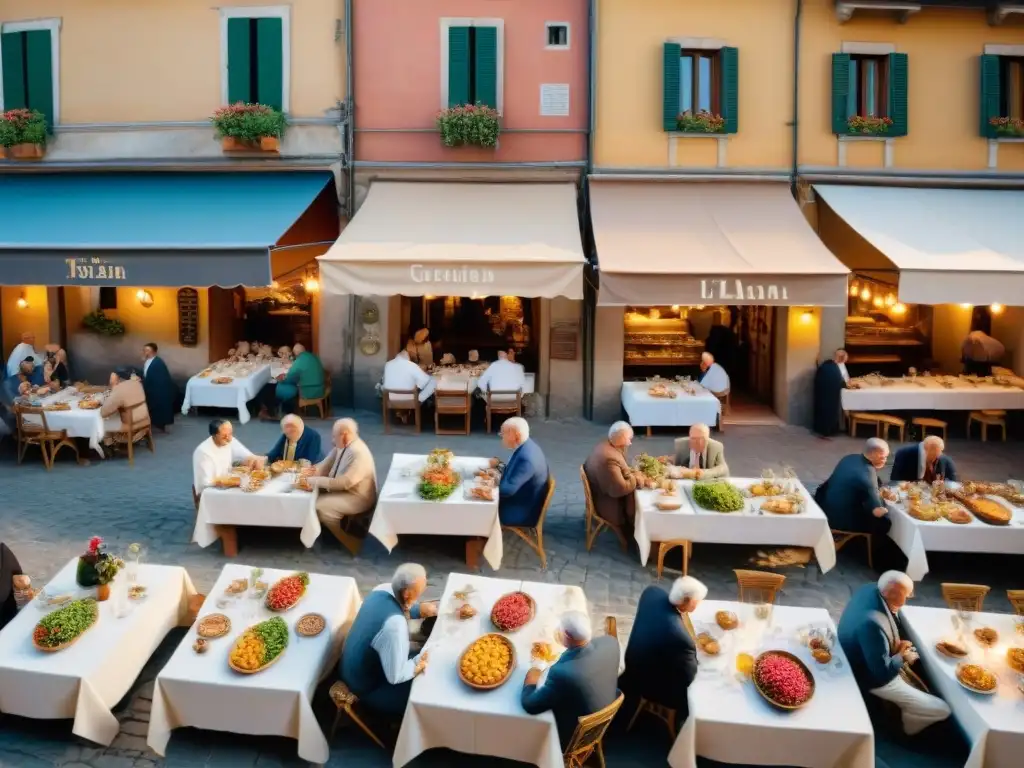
<point>953,512</point>
<point>765,488</point>
<point>480,493</point>
<point>488,662</point>
<point>65,626</point>
<point>708,644</point>
<point>986,510</point>
<point>259,646</point>
<point>228,481</point>
<point>513,611</point>
<point>785,505</point>
<point>951,649</point>
<point>543,652</point>
<point>669,503</point>
<point>280,467</point>
<point>718,496</point>
<point>927,513</point>
<point>287,592</point>
<point>650,467</point>
<point>213,625</point>
<point>727,620</point>
<point>1015,659</point>
<point>465,612</point>
<point>259,475</point>
<point>986,636</point>
<point>890,494</point>
<point>223,380</point>
<point>977,678</point>
<point>57,407</point>
<point>237,587</point>
<point>662,391</point>
<point>137,592</point>
<point>310,625</point>
<point>783,680</point>
<point>89,405</point>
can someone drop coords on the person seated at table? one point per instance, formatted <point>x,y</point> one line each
<point>400,373</point>
<point>125,391</point>
<point>55,367</point>
<point>922,461</point>
<point>420,350</point>
<point>161,393</point>
<point>830,380</point>
<point>850,497</point>
<point>582,681</point>
<point>218,453</point>
<point>870,634</point>
<point>698,457</point>
<point>502,375</point>
<point>347,480</point>
<point>712,376</point>
<point>661,656</point>
<point>525,479</point>
<point>296,442</point>
<point>305,379</point>
<point>377,663</point>
<point>612,481</point>
<point>26,349</point>
<point>30,373</point>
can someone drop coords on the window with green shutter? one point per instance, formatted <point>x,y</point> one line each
<point>869,94</point>
<point>473,66</point>
<point>1001,96</point>
<point>27,67</point>
<point>701,81</point>
<point>256,61</point>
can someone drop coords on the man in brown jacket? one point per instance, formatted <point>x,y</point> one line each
<point>612,482</point>
<point>125,391</point>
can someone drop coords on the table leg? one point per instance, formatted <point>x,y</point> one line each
<point>648,431</point>
<point>229,539</point>
<point>474,548</point>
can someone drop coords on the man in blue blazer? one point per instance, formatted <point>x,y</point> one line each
<point>923,461</point>
<point>296,442</point>
<point>525,479</point>
<point>850,497</point>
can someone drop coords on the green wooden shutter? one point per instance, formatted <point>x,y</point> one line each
<point>486,66</point>
<point>239,70</point>
<point>39,77</point>
<point>270,63</point>
<point>989,93</point>
<point>840,93</point>
<point>670,81</point>
<point>13,70</point>
<point>898,76</point>
<point>458,66</point>
<point>729,96</point>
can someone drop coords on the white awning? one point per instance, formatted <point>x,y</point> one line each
<point>950,246</point>
<point>417,239</point>
<point>709,243</point>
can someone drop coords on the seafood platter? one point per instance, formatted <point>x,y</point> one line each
<point>964,504</point>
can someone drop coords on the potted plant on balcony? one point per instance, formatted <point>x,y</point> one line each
<point>701,121</point>
<point>99,323</point>
<point>868,126</point>
<point>23,134</point>
<point>469,125</point>
<point>1008,127</point>
<point>249,127</point>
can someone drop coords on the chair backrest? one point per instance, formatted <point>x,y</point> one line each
<point>408,398</point>
<point>758,586</point>
<point>1016,600</point>
<point>24,427</point>
<point>964,597</point>
<point>590,729</point>
<point>129,412</point>
<point>508,399</point>
<point>327,382</point>
<point>451,400</point>
<point>586,490</point>
<point>547,501</point>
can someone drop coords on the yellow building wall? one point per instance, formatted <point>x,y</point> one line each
<point>34,318</point>
<point>126,61</point>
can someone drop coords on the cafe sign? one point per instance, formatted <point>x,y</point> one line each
<point>735,289</point>
<point>93,268</point>
<point>463,275</point>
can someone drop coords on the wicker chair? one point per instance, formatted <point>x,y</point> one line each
<point>987,419</point>
<point>127,438</point>
<point>346,702</point>
<point>50,441</point>
<point>589,734</point>
<point>1016,597</point>
<point>758,586</point>
<point>594,522</point>
<point>534,536</point>
<point>408,400</point>
<point>664,547</point>
<point>842,538</point>
<point>964,597</point>
<point>509,403</point>
<point>726,401</point>
<point>451,402</point>
<point>322,404</point>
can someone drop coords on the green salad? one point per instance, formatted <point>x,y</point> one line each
<point>274,634</point>
<point>718,496</point>
<point>650,466</point>
<point>65,624</point>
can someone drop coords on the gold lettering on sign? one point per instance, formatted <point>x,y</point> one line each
<point>94,269</point>
<point>724,290</point>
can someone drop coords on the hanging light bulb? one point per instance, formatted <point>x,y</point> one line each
<point>877,302</point>
<point>865,294</point>
<point>312,285</point>
<point>675,307</point>
<point>22,302</point>
<point>996,309</point>
<point>890,300</point>
<point>854,289</point>
<point>899,309</point>
<point>966,306</point>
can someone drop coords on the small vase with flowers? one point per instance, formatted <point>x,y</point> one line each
<point>86,575</point>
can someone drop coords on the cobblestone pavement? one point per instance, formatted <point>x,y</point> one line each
<point>47,517</point>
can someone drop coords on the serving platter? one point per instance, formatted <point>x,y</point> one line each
<point>508,672</point>
<point>533,611</point>
<point>767,697</point>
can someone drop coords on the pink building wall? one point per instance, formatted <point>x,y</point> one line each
<point>397,71</point>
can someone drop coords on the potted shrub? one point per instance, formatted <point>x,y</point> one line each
<point>469,125</point>
<point>87,575</point>
<point>99,323</point>
<point>868,126</point>
<point>1009,127</point>
<point>700,122</point>
<point>249,127</point>
<point>23,134</point>
<point>107,568</point>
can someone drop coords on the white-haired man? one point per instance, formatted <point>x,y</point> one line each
<point>503,375</point>
<point>850,497</point>
<point>581,682</point>
<point>304,379</point>
<point>922,461</point>
<point>712,376</point>
<point>378,664</point>
<point>525,479</point>
<point>612,481</point>
<point>698,457</point>
<point>347,481</point>
<point>401,373</point>
<point>869,632</point>
<point>296,442</point>
<point>661,657</point>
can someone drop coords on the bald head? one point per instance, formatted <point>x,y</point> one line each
<point>933,446</point>
<point>840,356</point>
<point>876,451</point>
<point>699,434</point>
<point>28,337</point>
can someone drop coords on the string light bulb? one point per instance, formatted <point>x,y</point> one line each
<point>312,285</point>
<point>996,309</point>
<point>854,289</point>
<point>899,309</point>
<point>877,302</point>
<point>865,294</point>
<point>890,300</point>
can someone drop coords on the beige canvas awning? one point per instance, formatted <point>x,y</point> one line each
<point>417,239</point>
<point>665,243</point>
<point>950,246</point>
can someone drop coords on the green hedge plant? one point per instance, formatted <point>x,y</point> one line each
<point>249,122</point>
<point>469,125</point>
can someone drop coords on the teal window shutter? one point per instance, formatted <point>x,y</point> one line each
<point>989,92</point>
<point>841,93</point>
<point>730,95</point>
<point>239,61</point>
<point>39,75</point>
<point>898,73</point>
<point>13,44</point>
<point>485,63</point>
<point>270,63</point>
<point>458,66</point>
<point>670,80</point>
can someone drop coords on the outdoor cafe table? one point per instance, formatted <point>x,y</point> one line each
<point>808,528</point>
<point>460,379</point>
<point>248,380</point>
<point>925,393</point>
<point>445,712</point>
<point>79,422</point>
<point>202,691</point>
<point>684,410</point>
<point>86,680</point>
<point>400,510</point>
<point>731,723</point>
<point>992,723</point>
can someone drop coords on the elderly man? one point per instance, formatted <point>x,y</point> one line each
<point>611,479</point>
<point>830,380</point>
<point>305,379</point>
<point>525,479</point>
<point>401,373</point>
<point>296,442</point>
<point>127,396</point>
<point>378,664</point>
<point>347,480</point>
<point>869,632</point>
<point>712,376</point>
<point>923,461</point>
<point>217,454</point>
<point>698,457</point>
<point>160,390</point>
<point>850,497</point>
<point>29,373</point>
<point>26,349</point>
<point>581,682</point>
<point>661,657</point>
<point>503,375</point>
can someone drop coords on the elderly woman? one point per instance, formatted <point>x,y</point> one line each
<point>296,442</point>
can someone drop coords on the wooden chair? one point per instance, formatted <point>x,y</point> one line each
<point>885,421</point>
<point>987,419</point>
<point>409,400</point>
<point>322,404</point>
<point>726,401</point>
<point>346,702</point>
<point>534,537</point>
<point>964,597</point>
<point>504,406</point>
<point>857,418</point>
<point>758,586</point>
<point>594,522</point>
<point>127,438</point>
<point>927,423</point>
<point>451,402</point>
<point>589,734</point>
<point>842,538</point>
<point>1016,597</point>
<point>50,441</point>
<point>664,547</point>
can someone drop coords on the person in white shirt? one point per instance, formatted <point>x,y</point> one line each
<point>713,376</point>
<point>26,349</point>
<point>502,375</point>
<point>216,454</point>
<point>401,373</point>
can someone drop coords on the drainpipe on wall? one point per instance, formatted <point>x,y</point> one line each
<point>350,191</point>
<point>589,295</point>
<point>796,92</point>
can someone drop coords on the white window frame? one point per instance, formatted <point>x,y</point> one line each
<point>282,12</point>
<point>446,24</point>
<point>53,25</point>
<point>568,35</point>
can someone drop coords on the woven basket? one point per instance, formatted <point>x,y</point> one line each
<point>533,612</point>
<point>508,673</point>
<point>767,697</point>
<point>213,637</point>
<point>241,671</point>
<point>266,603</point>
<point>69,643</point>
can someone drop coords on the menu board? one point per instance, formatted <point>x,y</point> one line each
<point>565,340</point>
<point>188,317</point>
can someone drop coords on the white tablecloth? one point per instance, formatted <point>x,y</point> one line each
<point>204,692</point>
<point>459,381</point>
<point>683,411</point>
<point>993,724</point>
<point>730,722</point>
<point>809,528</point>
<point>85,680</point>
<point>277,505</point>
<point>201,392</point>
<point>445,712</point>
<point>400,509</point>
<point>85,423</point>
<point>926,394</point>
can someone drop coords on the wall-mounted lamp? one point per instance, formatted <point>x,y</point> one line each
<point>145,297</point>
<point>996,309</point>
<point>899,309</point>
<point>865,294</point>
<point>854,290</point>
<point>274,284</point>
<point>806,317</point>
<point>877,302</point>
<point>312,285</point>
<point>675,307</point>
<point>22,302</point>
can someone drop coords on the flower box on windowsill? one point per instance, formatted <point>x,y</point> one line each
<point>868,126</point>
<point>702,123</point>
<point>26,151</point>
<point>1007,127</point>
<point>469,125</point>
<point>266,144</point>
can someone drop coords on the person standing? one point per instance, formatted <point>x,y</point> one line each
<point>159,386</point>
<point>830,380</point>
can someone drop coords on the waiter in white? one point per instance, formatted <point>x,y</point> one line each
<point>402,373</point>
<point>713,376</point>
<point>502,375</point>
<point>216,454</point>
